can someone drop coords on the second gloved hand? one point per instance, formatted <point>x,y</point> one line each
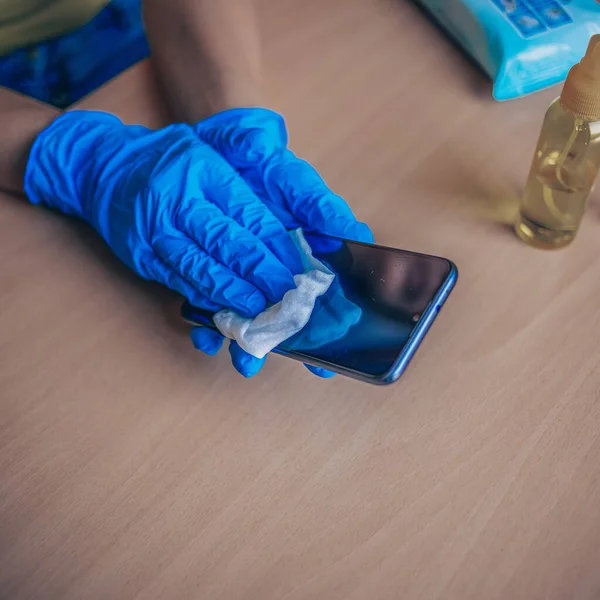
<point>168,205</point>
<point>254,142</point>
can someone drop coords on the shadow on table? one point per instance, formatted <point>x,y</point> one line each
<point>464,191</point>
<point>472,76</point>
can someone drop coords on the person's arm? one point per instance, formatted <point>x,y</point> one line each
<point>207,54</point>
<point>21,119</point>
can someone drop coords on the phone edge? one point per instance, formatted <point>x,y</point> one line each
<point>422,328</point>
<point>403,360</point>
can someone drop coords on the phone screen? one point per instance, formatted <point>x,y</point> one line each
<point>367,316</point>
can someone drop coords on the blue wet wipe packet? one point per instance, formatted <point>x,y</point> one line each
<point>523,45</point>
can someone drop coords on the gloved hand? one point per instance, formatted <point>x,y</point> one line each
<point>254,142</point>
<point>168,205</point>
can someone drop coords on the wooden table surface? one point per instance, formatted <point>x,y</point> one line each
<point>133,467</point>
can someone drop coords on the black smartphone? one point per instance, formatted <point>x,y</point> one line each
<point>371,321</point>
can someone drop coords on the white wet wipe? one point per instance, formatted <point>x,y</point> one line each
<point>259,335</point>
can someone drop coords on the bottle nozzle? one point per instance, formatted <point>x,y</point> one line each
<point>590,63</point>
<point>581,94</point>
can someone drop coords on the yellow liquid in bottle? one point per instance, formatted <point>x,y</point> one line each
<point>553,205</point>
<point>561,180</point>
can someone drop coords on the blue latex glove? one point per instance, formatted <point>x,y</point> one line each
<point>168,205</point>
<point>254,142</point>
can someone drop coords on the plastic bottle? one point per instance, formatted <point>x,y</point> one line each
<point>566,161</point>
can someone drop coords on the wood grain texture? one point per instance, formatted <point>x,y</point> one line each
<point>132,467</point>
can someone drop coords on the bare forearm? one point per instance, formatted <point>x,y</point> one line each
<point>21,119</point>
<point>207,53</point>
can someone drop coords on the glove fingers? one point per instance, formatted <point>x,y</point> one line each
<point>296,184</point>
<point>210,342</point>
<point>207,340</point>
<point>323,373</point>
<point>159,271</point>
<point>244,137</point>
<point>244,363</point>
<point>235,198</point>
<point>237,249</point>
<point>203,278</point>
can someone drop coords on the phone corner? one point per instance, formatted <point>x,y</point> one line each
<point>453,272</point>
<point>391,376</point>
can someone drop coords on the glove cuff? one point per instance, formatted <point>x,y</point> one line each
<point>61,158</point>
